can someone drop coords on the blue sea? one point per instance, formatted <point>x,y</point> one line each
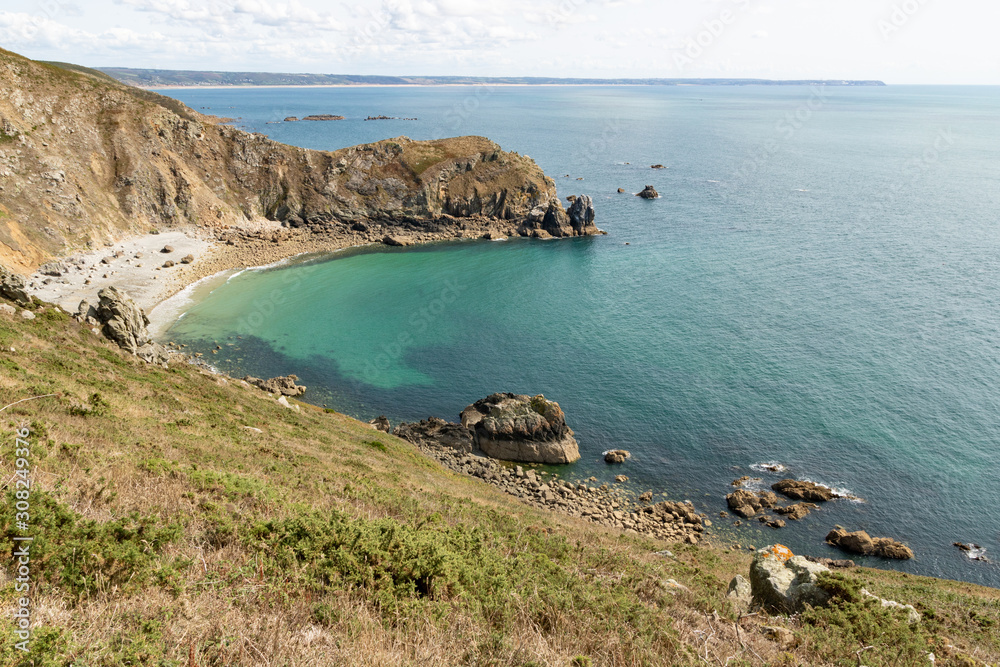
<point>818,287</point>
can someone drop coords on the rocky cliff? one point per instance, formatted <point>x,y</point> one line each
<point>85,160</point>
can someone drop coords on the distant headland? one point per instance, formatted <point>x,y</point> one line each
<point>164,78</point>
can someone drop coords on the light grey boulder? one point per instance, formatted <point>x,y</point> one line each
<point>740,592</point>
<point>124,322</point>
<point>783,583</point>
<point>54,269</point>
<point>14,287</point>
<point>912,615</point>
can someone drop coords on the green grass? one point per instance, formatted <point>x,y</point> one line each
<point>215,543</point>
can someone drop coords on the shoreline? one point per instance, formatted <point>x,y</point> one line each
<point>135,264</point>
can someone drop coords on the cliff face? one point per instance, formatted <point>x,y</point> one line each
<point>84,160</point>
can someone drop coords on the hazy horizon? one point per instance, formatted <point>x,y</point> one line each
<point>896,41</point>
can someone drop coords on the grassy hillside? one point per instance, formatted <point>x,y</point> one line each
<point>181,518</point>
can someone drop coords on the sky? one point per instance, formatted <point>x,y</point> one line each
<point>897,41</point>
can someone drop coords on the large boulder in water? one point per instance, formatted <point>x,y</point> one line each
<point>124,322</point>
<point>860,542</point>
<point>782,582</point>
<point>800,490</point>
<point>515,427</point>
<point>581,216</point>
<point>14,287</point>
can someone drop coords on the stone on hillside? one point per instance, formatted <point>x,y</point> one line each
<point>860,542</point>
<point>154,353</point>
<point>649,192</point>
<point>514,427</point>
<point>381,423</point>
<point>14,287</point>
<point>27,314</point>
<point>799,490</point>
<point>739,592</point>
<point>7,309</point>
<point>284,385</point>
<point>124,322</point>
<point>912,615</point>
<point>55,269</point>
<point>436,432</point>
<point>784,583</point>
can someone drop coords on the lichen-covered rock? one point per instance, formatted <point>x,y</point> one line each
<point>784,583</point>
<point>515,427</point>
<point>860,542</point>
<point>14,287</point>
<point>123,322</point>
<point>436,432</point>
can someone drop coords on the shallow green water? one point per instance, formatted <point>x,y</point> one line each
<point>819,292</point>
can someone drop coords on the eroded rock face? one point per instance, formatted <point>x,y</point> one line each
<point>581,216</point>
<point>784,583</point>
<point>515,427</point>
<point>123,322</point>
<point>860,542</point>
<point>14,287</point>
<point>284,385</point>
<point>436,432</point>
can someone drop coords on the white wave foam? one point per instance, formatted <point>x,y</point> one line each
<point>769,466</point>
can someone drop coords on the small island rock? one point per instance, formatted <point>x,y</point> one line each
<point>649,192</point>
<point>515,427</point>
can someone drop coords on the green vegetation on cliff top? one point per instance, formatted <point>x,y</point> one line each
<point>181,518</point>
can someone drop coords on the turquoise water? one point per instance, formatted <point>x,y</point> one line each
<point>817,286</point>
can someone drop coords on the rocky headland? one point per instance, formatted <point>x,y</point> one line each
<point>88,164</point>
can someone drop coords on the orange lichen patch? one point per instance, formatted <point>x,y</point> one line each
<point>779,551</point>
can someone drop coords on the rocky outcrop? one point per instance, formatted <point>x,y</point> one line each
<point>649,192</point>
<point>912,615</point>
<point>799,490</point>
<point>14,287</point>
<point>748,504</point>
<point>381,423</point>
<point>123,321</point>
<point>435,432</point>
<point>581,217</point>
<point>860,542</point>
<point>125,160</point>
<point>284,385</point>
<point>515,427</point>
<point>782,582</point>
<point>617,456</point>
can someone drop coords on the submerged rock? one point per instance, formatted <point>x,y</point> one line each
<point>799,490</point>
<point>123,322</point>
<point>515,427</point>
<point>782,582</point>
<point>860,542</point>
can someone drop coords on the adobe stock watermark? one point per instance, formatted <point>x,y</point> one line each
<point>899,17</point>
<point>786,128</point>
<point>712,31</point>
<point>598,147</point>
<point>48,9</point>
<point>913,171</point>
<point>419,322</point>
<point>22,542</point>
<point>459,114</point>
<point>264,306</point>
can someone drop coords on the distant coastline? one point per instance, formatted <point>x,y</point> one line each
<point>157,78</point>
